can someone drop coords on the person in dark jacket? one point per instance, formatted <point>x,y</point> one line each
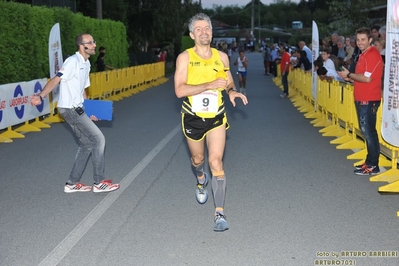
<point>303,61</point>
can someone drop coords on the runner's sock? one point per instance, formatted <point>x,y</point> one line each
<point>219,189</point>
<point>199,170</point>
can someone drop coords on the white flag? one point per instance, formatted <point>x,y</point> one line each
<point>315,54</point>
<point>390,111</point>
<point>55,55</point>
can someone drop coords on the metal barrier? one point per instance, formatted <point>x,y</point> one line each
<point>111,85</point>
<point>334,111</point>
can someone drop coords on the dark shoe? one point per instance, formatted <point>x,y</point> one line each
<point>368,170</point>
<point>361,166</point>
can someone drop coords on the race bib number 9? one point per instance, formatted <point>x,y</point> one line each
<point>205,102</point>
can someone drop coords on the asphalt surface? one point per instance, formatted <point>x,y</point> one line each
<point>292,198</point>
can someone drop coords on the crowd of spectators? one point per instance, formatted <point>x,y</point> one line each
<point>335,53</point>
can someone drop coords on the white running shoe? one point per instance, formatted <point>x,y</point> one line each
<point>201,193</point>
<point>79,187</point>
<point>220,223</point>
<point>105,186</point>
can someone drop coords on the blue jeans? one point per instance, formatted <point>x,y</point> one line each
<point>91,142</point>
<point>284,81</point>
<point>367,117</point>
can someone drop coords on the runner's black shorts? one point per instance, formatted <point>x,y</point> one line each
<point>196,128</point>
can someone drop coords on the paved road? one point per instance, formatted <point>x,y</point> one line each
<point>292,197</point>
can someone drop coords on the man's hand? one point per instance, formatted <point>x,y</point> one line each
<point>219,83</point>
<point>344,73</point>
<point>35,100</point>
<point>94,118</point>
<point>235,94</point>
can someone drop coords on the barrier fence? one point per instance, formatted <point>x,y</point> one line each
<point>334,111</point>
<point>17,116</point>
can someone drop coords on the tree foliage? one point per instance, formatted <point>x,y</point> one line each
<point>351,15</point>
<point>161,22</point>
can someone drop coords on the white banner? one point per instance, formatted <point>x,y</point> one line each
<point>14,102</point>
<point>315,54</point>
<point>390,111</point>
<point>55,55</point>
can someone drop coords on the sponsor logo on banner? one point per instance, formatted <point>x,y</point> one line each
<point>38,88</point>
<point>2,107</point>
<point>18,102</point>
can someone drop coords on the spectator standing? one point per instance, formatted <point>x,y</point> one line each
<point>328,63</point>
<point>302,61</point>
<point>303,47</point>
<point>367,80</point>
<point>100,62</point>
<point>375,33</point>
<point>341,48</point>
<point>379,44</point>
<point>350,44</point>
<point>383,33</point>
<point>274,57</point>
<point>267,59</point>
<point>162,56</point>
<point>73,78</point>
<point>333,44</point>
<point>285,68</point>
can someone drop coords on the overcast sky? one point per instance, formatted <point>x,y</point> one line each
<point>240,3</point>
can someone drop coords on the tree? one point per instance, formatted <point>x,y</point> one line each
<point>350,15</point>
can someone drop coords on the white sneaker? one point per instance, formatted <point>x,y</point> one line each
<point>79,187</point>
<point>105,186</point>
<point>220,223</point>
<point>283,95</point>
<point>201,193</point>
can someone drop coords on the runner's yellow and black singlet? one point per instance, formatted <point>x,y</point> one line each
<point>210,103</point>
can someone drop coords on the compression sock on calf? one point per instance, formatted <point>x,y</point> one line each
<point>199,171</point>
<point>219,190</point>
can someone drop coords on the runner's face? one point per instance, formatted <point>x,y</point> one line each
<point>363,42</point>
<point>202,33</point>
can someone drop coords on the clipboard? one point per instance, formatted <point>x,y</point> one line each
<point>99,108</point>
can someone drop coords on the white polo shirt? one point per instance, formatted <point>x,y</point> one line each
<point>74,75</point>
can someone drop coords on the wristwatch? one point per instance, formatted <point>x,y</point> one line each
<point>349,75</point>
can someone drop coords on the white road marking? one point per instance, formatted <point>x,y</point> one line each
<point>63,248</point>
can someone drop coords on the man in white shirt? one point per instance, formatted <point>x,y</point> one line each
<point>303,47</point>
<point>73,78</point>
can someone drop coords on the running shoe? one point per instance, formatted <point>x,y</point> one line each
<point>283,95</point>
<point>220,223</point>
<point>79,187</point>
<point>201,193</point>
<point>105,186</point>
<point>361,166</point>
<point>368,170</point>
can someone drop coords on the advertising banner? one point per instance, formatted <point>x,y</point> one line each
<point>390,111</point>
<point>55,56</point>
<point>14,102</point>
<point>315,54</point>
